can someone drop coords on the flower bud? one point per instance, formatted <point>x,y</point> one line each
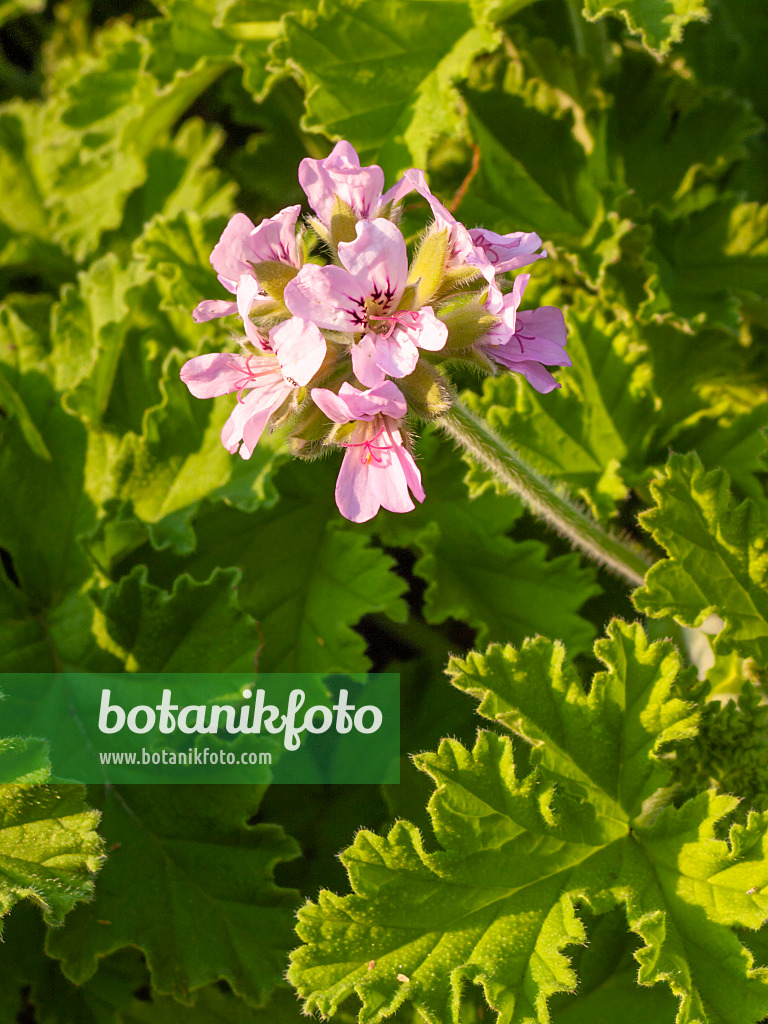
<point>428,266</point>
<point>273,277</point>
<point>426,391</point>
<point>343,221</point>
<point>466,324</point>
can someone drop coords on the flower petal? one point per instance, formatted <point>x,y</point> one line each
<point>212,309</point>
<point>275,238</point>
<point>537,376</point>
<point>249,417</point>
<point>351,404</point>
<point>501,333</point>
<point>300,348</point>
<point>413,180</point>
<point>218,373</point>
<point>460,245</point>
<point>410,469</point>
<point>397,354</point>
<point>249,295</point>
<point>340,174</point>
<point>376,478</point>
<point>233,250</point>
<point>378,261</point>
<point>507,252</point>
<point>364,362</point>
<point>427,331</point>
<point>546,325</point>
<point>533,371</point>
<point>334,406</point>
<point>329,296</point>
<point>356,499</point>
<point>386,398</point>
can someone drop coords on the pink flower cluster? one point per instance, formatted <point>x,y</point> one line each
<point>362,321</point>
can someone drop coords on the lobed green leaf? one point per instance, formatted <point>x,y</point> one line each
<point>496,904</point>
<point>215,910</point>
<point>717,561</point>
<point>49,848</point>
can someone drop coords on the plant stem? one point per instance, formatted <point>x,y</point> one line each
<point>539,494</point>
<point>577,26</point>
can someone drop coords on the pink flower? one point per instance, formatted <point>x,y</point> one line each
<point>362,298</point>
<point>340,175</point>
<point>460,244</point>
<point>488,252</point>
<point>241,244</point>
<point>508,252</point>
<point>377,471</point>
<point>291,358</point>
<point>523,341</point>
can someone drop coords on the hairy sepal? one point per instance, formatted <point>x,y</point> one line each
<point>426,390</point>
<point>273,277</point>
<point>428,266</point>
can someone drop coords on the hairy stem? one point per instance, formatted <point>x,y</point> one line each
<point>474,435</point>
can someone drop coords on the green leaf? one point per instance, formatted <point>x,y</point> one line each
<point>21,204</point>
<point>49,848</point>
<point>256,25</point>
<point>608,989</point>
<point>710,259</point>
<point>176,250</point>
<point>504,589</point>
<point>382,74</point>
<point>17,8</point>
<point>215,911</point>
<point>212,1006</point>
<point>189,37</point>
<point>604,742</point>
<point>198,627</point>
<point>24,762</point>
<point>670,133</point>
<point>33,983</point>
<point>47,561</point>
<point>13,407</point>
<point>593,433</point>
<point>619,998</point>
<point>213,31</point>
<point>659,24</point>
<point>717,561</point>
<point>709,400</point>
<point>520,849</point>
<point>177,461</point>
<point>733,446</point>
<point>729,50</point>
<point>537,100</point>
<point>181,177</point>
<point>518,186</point>
<point>299,560</point>
<point>23,642</point>
<point>59,639</point>
<point>104,114</point>
<point>150,442</point>
<point>88,327</point>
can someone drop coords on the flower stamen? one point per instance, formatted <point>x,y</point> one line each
<point>394,320</point>
<point>368,449</point>
<point>248,378</point>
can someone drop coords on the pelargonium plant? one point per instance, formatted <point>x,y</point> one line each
<point>347,336</point>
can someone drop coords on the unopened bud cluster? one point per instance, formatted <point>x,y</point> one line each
<point>342,352</point>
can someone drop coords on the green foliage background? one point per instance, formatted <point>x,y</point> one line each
<point>585,857</point>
